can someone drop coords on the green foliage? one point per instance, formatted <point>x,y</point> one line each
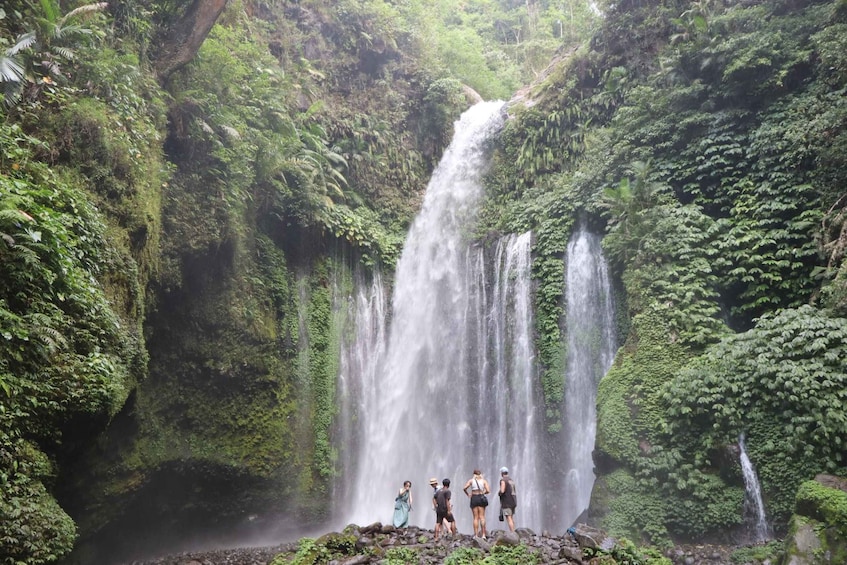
<point>782,382</point>
<point>37,56</point>
<point>402,556</point>
<point>635,509</point>
<point>625,552</point>
<point>511,555</point>
<point>321,551</point>
<point>33,527</point>
<point>825,504</point>
<point>322,369</point>
<point>629,408</point>
<point>464,556</point>
<point>64,352</point>
<point>771,551</point>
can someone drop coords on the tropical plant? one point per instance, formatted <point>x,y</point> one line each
<point>39,54</point>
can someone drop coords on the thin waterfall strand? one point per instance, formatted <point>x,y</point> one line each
<point>362,354</point>
<point>753,496</point>
<point>591,350</point>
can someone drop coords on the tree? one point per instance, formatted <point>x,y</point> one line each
<point>182,41</point>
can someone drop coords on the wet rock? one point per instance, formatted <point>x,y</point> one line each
<point>375,527</point>
<point>481,543</point>
<point>509,538</point>
<point>587,536</point>
<point>525,533</point>
<point>572,553</point>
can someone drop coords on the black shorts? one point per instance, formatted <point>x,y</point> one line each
<point>440,516</point>
<point>478,500</point>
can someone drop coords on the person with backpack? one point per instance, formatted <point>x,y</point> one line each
<point>443,508</point>
<point>478,490</point>
<point>508,498</point>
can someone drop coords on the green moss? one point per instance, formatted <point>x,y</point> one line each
<point>825,504</point>
<point>771,551</point>
<point>634,511</point>
<point>629,408</point>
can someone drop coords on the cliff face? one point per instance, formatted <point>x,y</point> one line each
<point>707,143</point>
<point>188,243</point>
<point>286,160</point>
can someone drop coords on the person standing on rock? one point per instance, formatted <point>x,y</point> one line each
<point>508,497</point>
<point>478,489</point>
<point>433,482</point>
<point>403,505</point>
<point>443,508</point>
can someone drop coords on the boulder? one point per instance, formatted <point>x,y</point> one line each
<point>508,538</point>
<point>373,528</point>
<point>587,536</point>
<point>481,543</point>
<point>818,532</point>
<point>571,553</point>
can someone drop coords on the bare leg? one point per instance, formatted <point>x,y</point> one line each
<point>511,523</point>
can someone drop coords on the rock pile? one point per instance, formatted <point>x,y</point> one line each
<point>377,543</point>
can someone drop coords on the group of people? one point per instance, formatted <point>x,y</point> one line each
<point>477,489</point>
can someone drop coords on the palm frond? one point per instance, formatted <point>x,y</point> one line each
<point>10,69</point>
<point>64,52</point>
<point>24,41</point>
<point>87,9</point>
<point>12,93</point>
<point>50,10</point>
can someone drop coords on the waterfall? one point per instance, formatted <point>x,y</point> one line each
<point>591,349</point>
<point>455,388</point>
<point>753,496</point>
<point>362,353</point>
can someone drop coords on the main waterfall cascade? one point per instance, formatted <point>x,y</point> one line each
<point>590,352</point>
<point>455,387</point>
<point>452,385</point>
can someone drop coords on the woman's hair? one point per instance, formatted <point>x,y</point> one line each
<point>407,483</point>
<point>477,472</point>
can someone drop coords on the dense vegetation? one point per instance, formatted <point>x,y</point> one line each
<point>175,227</point>
<point>176,238</point>
<point>710,145</point>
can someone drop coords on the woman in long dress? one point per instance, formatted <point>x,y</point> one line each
<point>403,505</point>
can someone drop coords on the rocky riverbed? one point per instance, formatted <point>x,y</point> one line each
<point>381,544</point>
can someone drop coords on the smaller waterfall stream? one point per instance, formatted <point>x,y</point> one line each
<point>753,498</point>
<point>591,350</point>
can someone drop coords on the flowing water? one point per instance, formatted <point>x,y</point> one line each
<point>452,385</point>
<point>455,387</point>
<point>754,505</point>
<point>591,350</point>
<point>362,354</point>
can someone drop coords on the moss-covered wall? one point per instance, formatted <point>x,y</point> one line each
<point>263,176</point>
<point>714,204</point>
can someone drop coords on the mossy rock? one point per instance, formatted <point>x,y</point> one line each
<point>818,534</point>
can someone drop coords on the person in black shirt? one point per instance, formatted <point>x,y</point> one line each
<point>508,497</point>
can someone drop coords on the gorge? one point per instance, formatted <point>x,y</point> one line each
<point>253,281</point>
